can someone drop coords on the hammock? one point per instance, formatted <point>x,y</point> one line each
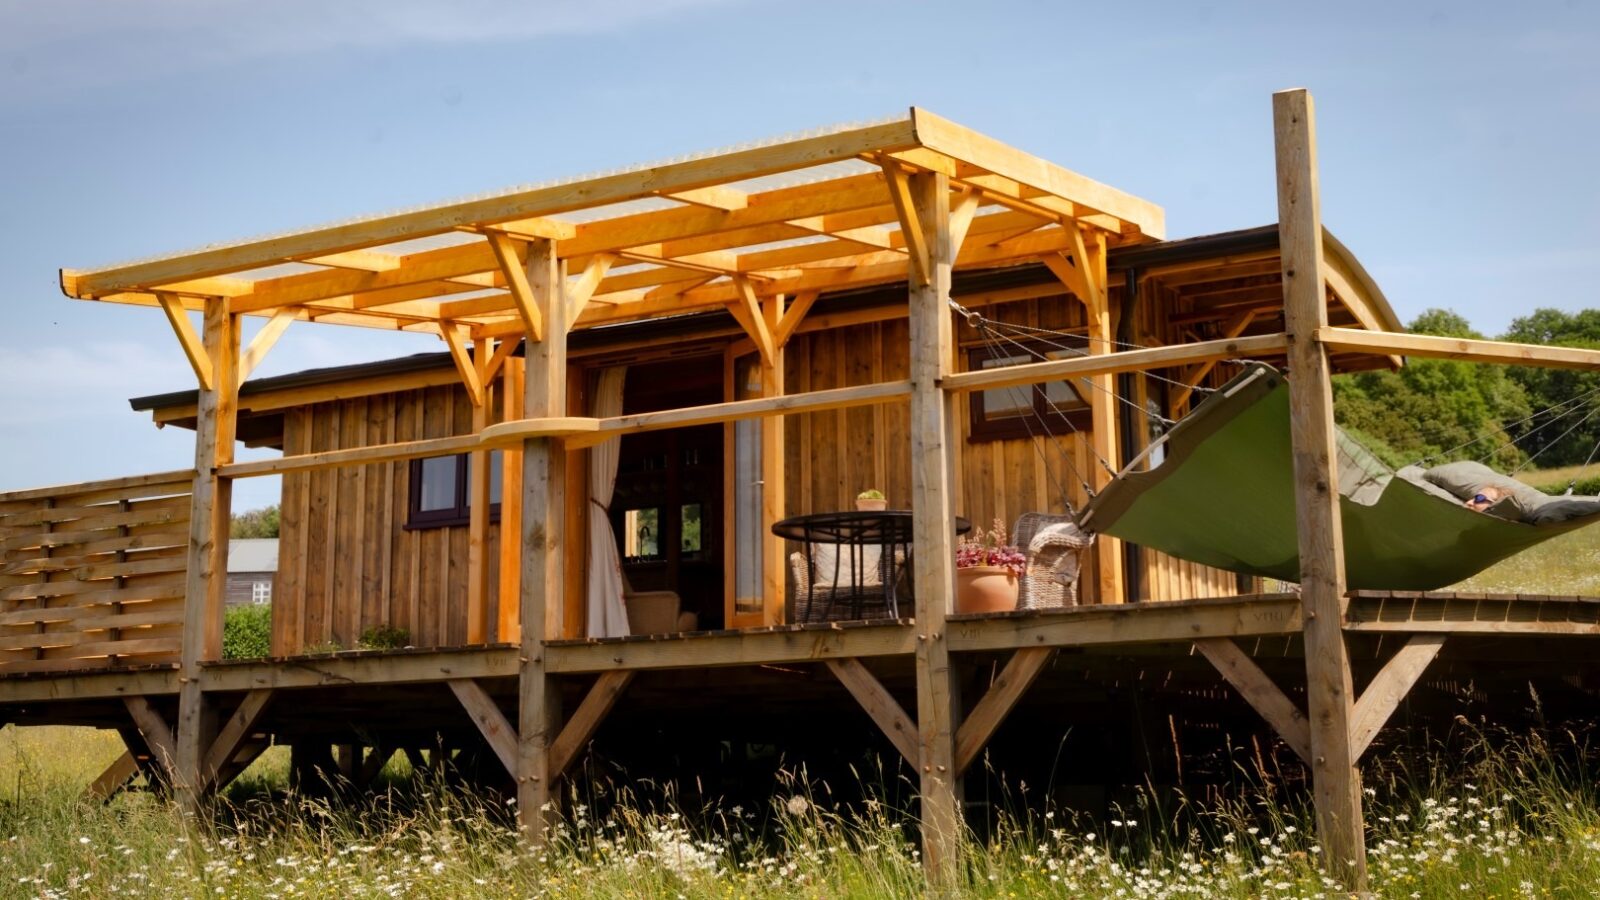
<point>1223,496</point>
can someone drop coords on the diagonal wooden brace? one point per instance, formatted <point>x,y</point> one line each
<point>991,710</point>
<point>234,733</point>
<point>1260,692</point>
<point>880,705</point>
<point>156,732</point>
<point>496,729</point>
<point>1391,685</point>
<point>586,719</point>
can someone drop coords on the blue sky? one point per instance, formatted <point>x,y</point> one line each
<point>1457,141</point>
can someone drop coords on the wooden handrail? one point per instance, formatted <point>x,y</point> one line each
<point>1467,349</point>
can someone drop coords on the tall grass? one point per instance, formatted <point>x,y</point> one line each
<point>1501,817</point>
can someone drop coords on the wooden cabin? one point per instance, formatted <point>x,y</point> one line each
<point>746,336</point>
<point>362,550</point>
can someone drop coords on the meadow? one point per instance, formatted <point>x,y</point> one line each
<point>1495,815</point>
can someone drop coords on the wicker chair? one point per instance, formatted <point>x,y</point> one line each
<point>1054,545</point>
<point>827,601</point>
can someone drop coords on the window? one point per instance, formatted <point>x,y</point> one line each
<point>1055,407</point>
<point>261,592</point>
<point>641,534</point>
<point>441,490</point>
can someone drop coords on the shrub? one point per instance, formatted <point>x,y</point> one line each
<point>247,631</point>
<point>383,637</point>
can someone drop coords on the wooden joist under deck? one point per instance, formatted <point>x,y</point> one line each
<point>1127,625</point>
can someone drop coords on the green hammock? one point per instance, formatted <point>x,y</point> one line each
<point>1224,497</point>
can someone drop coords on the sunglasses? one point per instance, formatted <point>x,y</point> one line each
<point>1482,499</point>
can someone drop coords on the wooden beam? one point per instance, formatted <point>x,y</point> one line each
<point>916,237</point>
<point>792,317</point>
<point>750,647</point>
<point>1260,692</point>
<point>455,337</point>
<point>156,733</point>
<point>542,579</point>
<point>933,424</point>
<point>494,436</point>
<point>718,197</point>
<point>580,728</point>
<point>998,701</point>
<point>1122,361</point>
<point>263,342</point>
<point>205,584</point>
<point>773,460</point>
<point>1336,782</point>
<point>945,137</point>
<point>885,711</point>
<point>578,294</point>
<point>510,207</point>
<point>115,777</point>
<point>496,729</point>
<point>234,733</point>
<point>478,505</point>
<point>510,261</point>
<point>502,352</point>
<point>1196,373</point>
<point>961,215</point>
<point>1391,685</point>
<point>193,349</point>
<point>1352,340</point>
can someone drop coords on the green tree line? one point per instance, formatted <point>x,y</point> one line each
<point>1433,410</point>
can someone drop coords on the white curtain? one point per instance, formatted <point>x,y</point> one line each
<point>608,615</point>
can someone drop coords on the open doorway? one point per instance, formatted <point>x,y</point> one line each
<point>667,508</point>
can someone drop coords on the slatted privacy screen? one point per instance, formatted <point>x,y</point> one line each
<point>92,575</point>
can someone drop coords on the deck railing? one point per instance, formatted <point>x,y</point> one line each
<point>92,575</point>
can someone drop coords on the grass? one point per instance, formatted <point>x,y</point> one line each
<point>1491,815</point>
<point>1497,816</point>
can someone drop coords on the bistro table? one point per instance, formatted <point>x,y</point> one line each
<point>852,533</point>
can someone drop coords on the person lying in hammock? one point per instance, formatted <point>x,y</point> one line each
<point>1487,496</point>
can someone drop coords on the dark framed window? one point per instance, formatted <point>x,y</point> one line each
<point>441,490</point>
<point>1055,407</point>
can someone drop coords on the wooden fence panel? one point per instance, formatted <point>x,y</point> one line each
<point>92,575</point>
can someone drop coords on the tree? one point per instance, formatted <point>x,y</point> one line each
<point>1569,435</point>
<point>255,523</point>
<point>1434,410</point>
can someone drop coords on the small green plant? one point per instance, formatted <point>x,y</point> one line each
<point>247,632</point>
<point>384,637</point>
<point>870,494</point>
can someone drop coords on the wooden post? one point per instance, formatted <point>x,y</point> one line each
<point>206,581</point>
<point>543,512</point>
<point>1330,698</point>
<point>1102,405</point>
<point>508,622</point>
<point>933,529</point>
<point>478,509</point>
<point>772,487</point>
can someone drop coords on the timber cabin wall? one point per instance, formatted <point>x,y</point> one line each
<point>348,563</point>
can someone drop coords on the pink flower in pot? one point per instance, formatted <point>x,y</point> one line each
<point>987,572</point>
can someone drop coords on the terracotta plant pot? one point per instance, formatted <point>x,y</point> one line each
<point>871,505</point>
<point>981,589</point>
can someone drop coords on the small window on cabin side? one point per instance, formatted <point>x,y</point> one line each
<point>261,592</point>
<point>441,490</point>
<point>1051,408</point>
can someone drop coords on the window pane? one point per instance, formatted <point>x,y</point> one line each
<point>438,490</point>
<point>641,533</point>
<point>690,540</point>
<point>1064,395</point>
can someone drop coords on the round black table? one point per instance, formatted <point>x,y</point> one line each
<point>889,530</point>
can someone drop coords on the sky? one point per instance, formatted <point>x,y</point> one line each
<point>1457,142</point>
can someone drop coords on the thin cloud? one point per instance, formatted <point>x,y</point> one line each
<point>66,45</point>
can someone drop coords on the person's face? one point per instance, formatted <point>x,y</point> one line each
<point>1485,498</point>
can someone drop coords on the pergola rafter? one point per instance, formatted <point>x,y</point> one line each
<point>706,233</point>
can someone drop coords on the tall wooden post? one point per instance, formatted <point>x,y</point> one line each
<point>478,508</point>
<point>206,581</point>
<point>1329,695</point>
<point>933,529</point>
<point>1102,402</point>
<point>772,458</point>
<point>542,585</point>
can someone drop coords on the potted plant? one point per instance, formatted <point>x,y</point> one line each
<point>871,501</point>
<point>987,572</point>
